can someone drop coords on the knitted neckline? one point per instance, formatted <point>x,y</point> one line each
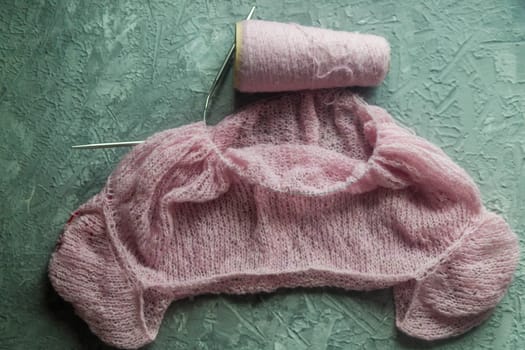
<point>359,175</point>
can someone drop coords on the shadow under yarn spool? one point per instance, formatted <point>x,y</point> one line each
<point>273,56</point>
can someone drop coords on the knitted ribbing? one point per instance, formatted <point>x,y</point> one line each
<point>307,189</point>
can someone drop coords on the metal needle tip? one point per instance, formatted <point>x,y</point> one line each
<point>107,145</point>
<point>216,81</point>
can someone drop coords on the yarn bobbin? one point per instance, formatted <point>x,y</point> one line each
<point>276,57</point>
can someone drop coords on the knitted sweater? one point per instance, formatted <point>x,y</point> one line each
<point>307,189</point>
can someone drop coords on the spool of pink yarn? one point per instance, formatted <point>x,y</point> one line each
<point>272,56</point>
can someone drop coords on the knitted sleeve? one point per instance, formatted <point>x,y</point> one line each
<point>108,261</point>
<point>466,282</point>
<point>405,159</point>
<point>464,285</point>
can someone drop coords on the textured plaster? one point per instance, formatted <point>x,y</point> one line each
<point>90,71</point>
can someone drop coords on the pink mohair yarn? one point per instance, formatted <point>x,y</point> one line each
<point>274,56</point>
<point>315,188</point>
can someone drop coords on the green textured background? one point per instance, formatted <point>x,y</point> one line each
<point>89,71</point>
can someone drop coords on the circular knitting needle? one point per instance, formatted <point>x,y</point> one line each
<point>220,75</point>
<point>107,145</point>
<point>218,78</point>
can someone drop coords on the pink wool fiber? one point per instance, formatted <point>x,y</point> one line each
<point>307,189</point>
<point>275,56</point>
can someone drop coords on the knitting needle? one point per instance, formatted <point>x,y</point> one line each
<point>222,70</point>
<point>218,78</point>
<point>107,145</point>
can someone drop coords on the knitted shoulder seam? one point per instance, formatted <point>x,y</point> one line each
<point>123,260</point>
<point>472,226</point>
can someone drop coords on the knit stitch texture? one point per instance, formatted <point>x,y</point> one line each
<point>308,189</point>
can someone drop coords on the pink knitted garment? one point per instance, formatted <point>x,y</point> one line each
<point>308,189</point>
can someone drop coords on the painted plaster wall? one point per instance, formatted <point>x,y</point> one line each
<point>91,71</point>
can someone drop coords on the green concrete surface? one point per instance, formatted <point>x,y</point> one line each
<point>91,71</point>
